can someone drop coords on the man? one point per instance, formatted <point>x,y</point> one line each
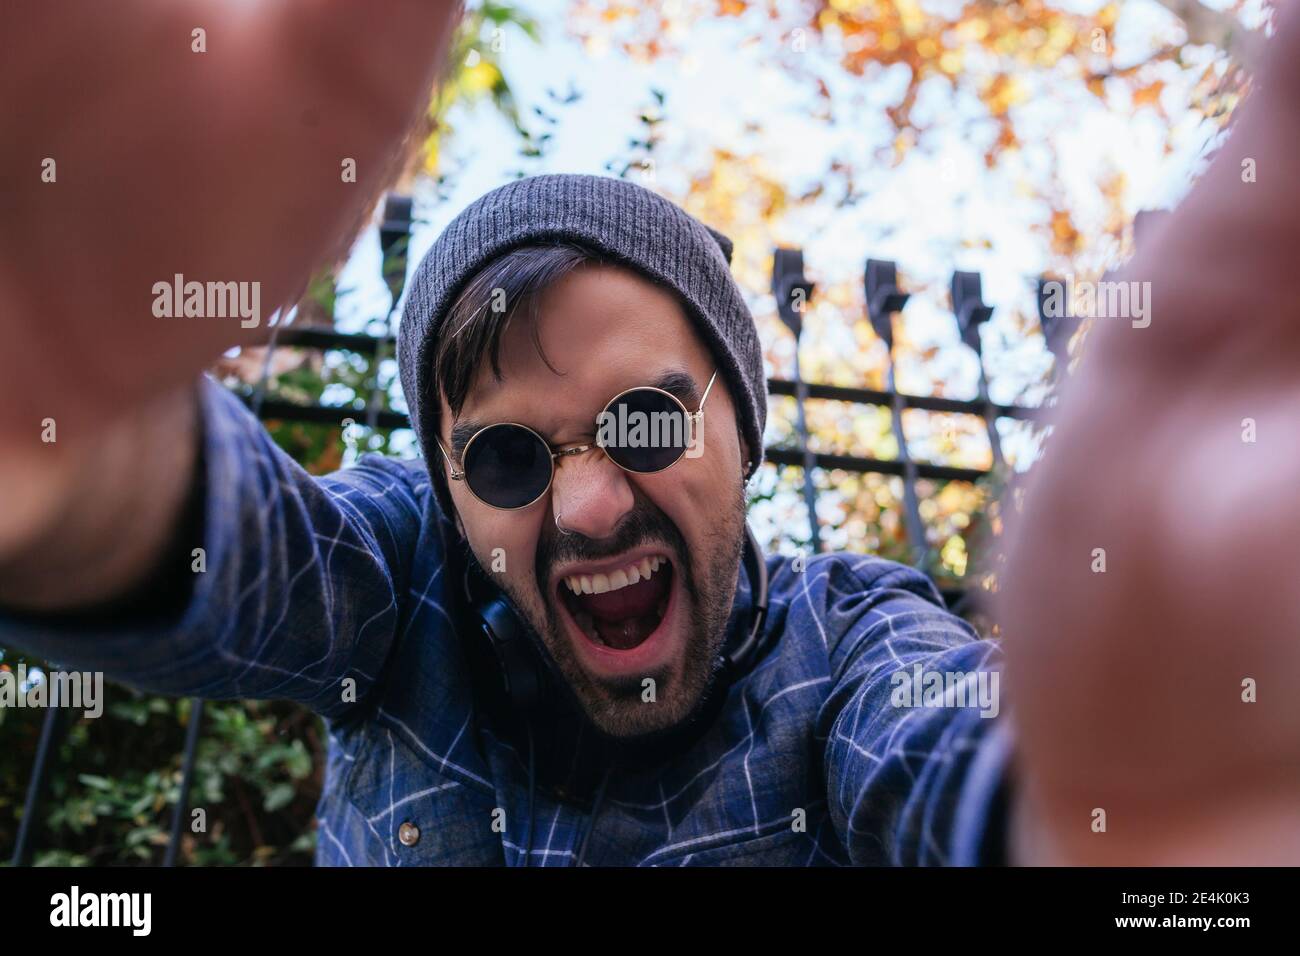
<point>540,304</point>
<point>653,714</point>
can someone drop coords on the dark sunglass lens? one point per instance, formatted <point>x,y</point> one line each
<point>507,466</point>
<point>644,430</point>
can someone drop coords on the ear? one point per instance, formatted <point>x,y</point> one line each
<point>723,243</point>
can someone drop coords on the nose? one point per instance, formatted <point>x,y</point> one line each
<point>590,494</point>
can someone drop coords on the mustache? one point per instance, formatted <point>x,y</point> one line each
<point>644,524</point>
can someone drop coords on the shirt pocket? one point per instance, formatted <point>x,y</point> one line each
<point>412,815</point>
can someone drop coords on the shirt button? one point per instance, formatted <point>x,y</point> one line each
<point>409,834</point>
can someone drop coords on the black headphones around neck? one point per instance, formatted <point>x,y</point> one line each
<point>526,678</point>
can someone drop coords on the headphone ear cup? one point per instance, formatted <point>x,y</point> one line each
<point>514,665</point>
<point>756,641</point>
<point>522,674</point>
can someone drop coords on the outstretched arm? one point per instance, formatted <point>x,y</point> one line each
<point>278,584</point>
<point>1155,702</point>
<point>143,141</point>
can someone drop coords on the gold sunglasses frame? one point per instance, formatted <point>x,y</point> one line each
<point>694,417</point>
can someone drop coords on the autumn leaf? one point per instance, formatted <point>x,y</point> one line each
<point>1149,95</point>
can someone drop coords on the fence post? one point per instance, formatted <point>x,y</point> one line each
<point>53,730</point>
<point>793,291</point>
<point>1058,324</point>
<point>394,238</point>
<point>884,300</point>
<point>971,312</point>
<point>187,779</point>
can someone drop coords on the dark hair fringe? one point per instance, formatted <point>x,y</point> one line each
<point>473,328</point>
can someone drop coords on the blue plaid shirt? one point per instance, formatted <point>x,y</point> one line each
<point>334,592</point>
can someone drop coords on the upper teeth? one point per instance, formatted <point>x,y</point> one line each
<point>600,583</point>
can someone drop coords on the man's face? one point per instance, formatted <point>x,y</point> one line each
<point>604,330</point>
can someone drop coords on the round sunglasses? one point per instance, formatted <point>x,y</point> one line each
<point>643,430</point>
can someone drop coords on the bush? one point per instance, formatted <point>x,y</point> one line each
<point>115,782</point>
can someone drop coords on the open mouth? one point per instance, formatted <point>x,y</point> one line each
<point>618,609</point>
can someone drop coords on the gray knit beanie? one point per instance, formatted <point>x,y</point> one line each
<point>616,218</point>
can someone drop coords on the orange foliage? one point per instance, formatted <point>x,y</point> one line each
<point>1003,54</point>
<point>989,46</point>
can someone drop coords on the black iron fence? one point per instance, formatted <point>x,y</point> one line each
<point>793,292</point>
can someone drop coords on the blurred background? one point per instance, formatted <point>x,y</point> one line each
<point>1012,141</point>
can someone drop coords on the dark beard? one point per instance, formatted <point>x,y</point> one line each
<point>616,708</point>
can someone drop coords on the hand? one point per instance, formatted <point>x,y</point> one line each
<point>220,166</point>
<point>1126,687</point>
<point>130,157</point>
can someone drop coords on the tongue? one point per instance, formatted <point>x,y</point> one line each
<point>628,633</point>
<point>626,617</point>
